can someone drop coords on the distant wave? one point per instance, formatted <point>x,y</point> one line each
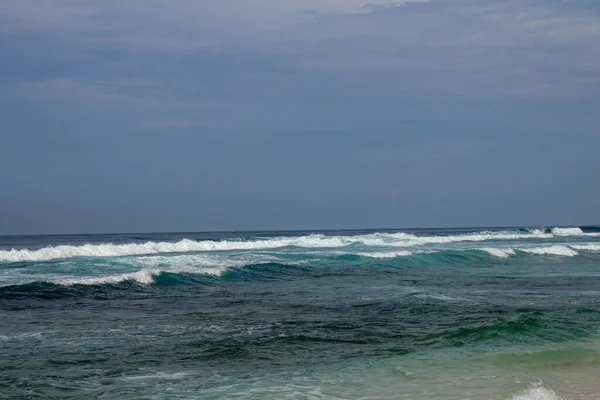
<point>145,277</point>
<point>400,239</point>
<point>502,253</point>
<point>567,231</point>
<point>565,251</point>
<point>390,254</point>
<point>183,246</point>
<point>588,247</point>
<point>552,250</point>
<point>149,276</point>
<point>572,232</point>
<point>216,266</point>
<point>475,237</point>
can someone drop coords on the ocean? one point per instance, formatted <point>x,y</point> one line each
<point>510,313</point>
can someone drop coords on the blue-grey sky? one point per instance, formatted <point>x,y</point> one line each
<point>185,115</point>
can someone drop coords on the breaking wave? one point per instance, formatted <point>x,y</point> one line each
<point>537,393</point>
<point>151,267</point>
<point>552,250</point>
<point>572,232</point>
<point>399,239</point>
<point>145,277</point>
<point>549,251</point>
<point>567,231</point>
<point>502,253</point>
<point>183,246</point>
<point>587,246</point>
<point>391,254</point>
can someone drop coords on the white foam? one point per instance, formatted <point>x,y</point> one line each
<point>147,268</point>
<point>391,254</point>
<point>185,245</point>
<point>567,231</point>
<point>202,262</point>
<point>145,276</point>
<point>474,237</point>
<point>502,253</point>
<point>588,246</point>
<point>536,231</point>
<point>399,239</point>
<point>573,232</point>
<point>537,393</point>
<point>552,250</point>
<point>399,235</point>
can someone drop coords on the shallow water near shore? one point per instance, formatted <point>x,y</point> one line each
<point>426,314</point>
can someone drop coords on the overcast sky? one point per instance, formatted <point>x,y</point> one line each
<point>184,115</point>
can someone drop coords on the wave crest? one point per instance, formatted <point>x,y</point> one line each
<point>502,253</point>
<point>391,254</point>
<point>183,246</point>
<point>552,251</point>
<point>400,239</point>
<point>567,231</point>
<point>587,246</point>
<point>145,277</point>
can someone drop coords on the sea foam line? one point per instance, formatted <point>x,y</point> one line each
<point>502,253</point>
<point>391,254</point>
<point>183,246</point>
<point>552,250</point>
<point>586,246</point>
<point>548,250</point>
<point>572,232</point>
<point>152,266</point>
<point>399,239</point>
<point>145,276</point>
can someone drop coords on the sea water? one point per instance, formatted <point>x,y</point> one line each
<point>423,314</point>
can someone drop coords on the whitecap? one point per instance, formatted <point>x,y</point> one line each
<point>567,231</point>
<point>399,239</point>
<point>502,253</point>
<point>587,246</point>
<point>537,393</point>
<point>145,277</point>
<point>391,254</point>
<point>474,237</point>
<point>183,246</point>
<point>551,250</point>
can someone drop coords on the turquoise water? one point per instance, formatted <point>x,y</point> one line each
<point>425,314</point>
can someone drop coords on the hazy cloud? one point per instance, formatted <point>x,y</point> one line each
<point>284,105</point>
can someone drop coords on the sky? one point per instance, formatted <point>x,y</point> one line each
<point>181,115</point>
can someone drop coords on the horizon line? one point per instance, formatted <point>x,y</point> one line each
<point>307,230</point>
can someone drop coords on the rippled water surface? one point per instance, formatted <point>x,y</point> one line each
<point>426,314</point>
